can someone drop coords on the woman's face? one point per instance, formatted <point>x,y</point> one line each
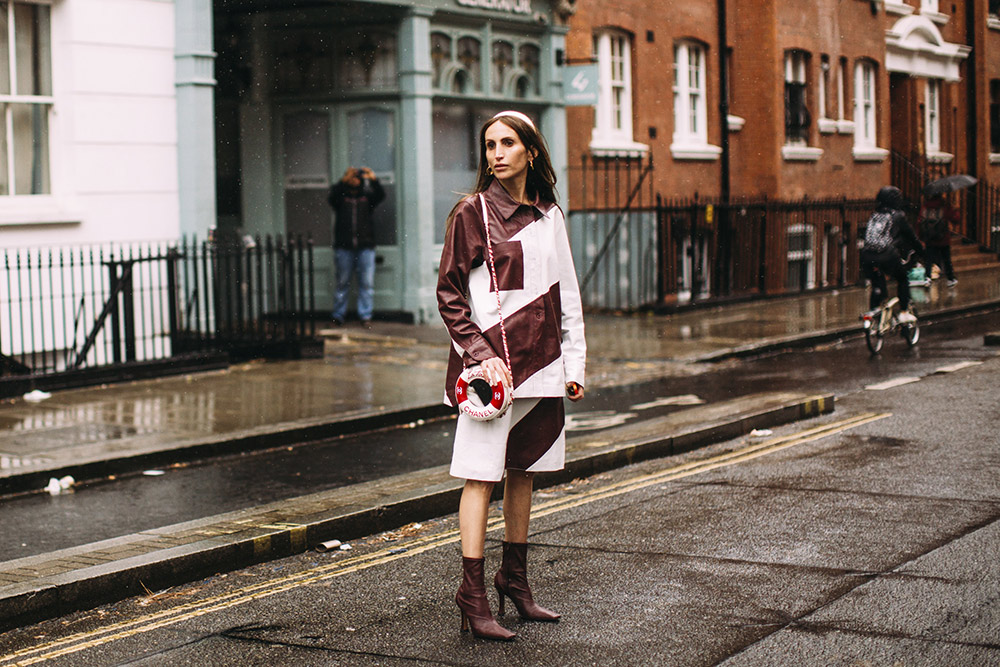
<point>505,153</point>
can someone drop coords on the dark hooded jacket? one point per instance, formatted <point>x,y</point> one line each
<point>903,240</point>
<point>354,228</point>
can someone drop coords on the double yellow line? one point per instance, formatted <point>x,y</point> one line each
<point>90,639</point>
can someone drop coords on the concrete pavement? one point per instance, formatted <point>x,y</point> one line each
<point>390,374</point>
<point>387,375</point>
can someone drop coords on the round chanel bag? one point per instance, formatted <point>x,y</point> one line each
<point>477,398</point>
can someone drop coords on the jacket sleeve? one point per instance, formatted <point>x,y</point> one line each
<point>336,194</point>
<point>574,344</point>
<point>377,195</point>
<point>907,234</point>
<point>464,248</point>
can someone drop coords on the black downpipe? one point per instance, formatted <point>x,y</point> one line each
<point>723,271</point>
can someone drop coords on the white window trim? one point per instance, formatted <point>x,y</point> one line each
<point>939,157</point>
<point>793,153</point>
<point>735,123</point>
<point>822,123</point>
<point>607,141</point>
<point>862,141</point>
<point>927,6</point>
<point>45,207</point>
<point>870,154</point>
<point>936,17</point>
<point>994,158</point>
<point>993,22</point>
<point>687,145</point>
<point>705,152</point>
<point>826,125</point>
<point>897,7</point>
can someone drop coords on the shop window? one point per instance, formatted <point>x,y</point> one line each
<point>456,63</point>
<point>366,61</point>
<point>456,155</point>
<point>25,98</point>
<point>529,59</point>
<point>932,117</point>
<point>441,57</point>
<point>797,118</point>
<point>503,63</point>
<point>309,61</point>
<point>613,115</point>
<point>372,143</point>
<point>470,58</point>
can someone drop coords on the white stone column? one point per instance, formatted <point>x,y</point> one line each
<point>416,168</point>
<point>195,84</point>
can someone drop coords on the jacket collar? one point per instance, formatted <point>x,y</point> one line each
<point>506,206</point>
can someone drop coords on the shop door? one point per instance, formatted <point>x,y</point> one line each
<point>317,147</point>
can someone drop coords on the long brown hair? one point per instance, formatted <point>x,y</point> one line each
<point>541,179</point>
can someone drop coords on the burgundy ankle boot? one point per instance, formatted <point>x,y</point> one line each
<point>471,600</point>
<point>512,581</point>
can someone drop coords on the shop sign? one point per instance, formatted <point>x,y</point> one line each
<point>510,6</point>
<point>580,85</point>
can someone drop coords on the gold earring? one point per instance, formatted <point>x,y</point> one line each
<point>531,163</point>
<point>489,170</point>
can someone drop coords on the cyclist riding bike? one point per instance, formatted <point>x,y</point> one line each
<point>888,250</point>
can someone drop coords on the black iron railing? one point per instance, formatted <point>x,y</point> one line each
<point>67,310</point>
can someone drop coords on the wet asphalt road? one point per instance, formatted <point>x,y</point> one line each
<point>862,537</point>
<point>133,503</point>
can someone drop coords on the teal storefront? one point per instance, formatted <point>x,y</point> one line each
<point>402,87</point>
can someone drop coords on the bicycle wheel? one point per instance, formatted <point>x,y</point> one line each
<point>911,332</point>
<point>873,338</point>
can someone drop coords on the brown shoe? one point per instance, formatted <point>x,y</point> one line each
<point>512,581</point>
<point>471,600</point>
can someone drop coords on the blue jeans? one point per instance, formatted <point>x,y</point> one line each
<point>348,262</point>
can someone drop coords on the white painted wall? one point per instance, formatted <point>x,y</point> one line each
<point>113,129</point>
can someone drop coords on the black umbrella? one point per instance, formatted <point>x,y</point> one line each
<point>949,184</point>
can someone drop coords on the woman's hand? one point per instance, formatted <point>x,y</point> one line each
<point>496,371</point>
<point>574,391</point>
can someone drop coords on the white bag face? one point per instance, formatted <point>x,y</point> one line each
<point>471,389</point>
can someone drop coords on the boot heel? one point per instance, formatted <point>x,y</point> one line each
<point>465,622</point>
<point>500,611</point>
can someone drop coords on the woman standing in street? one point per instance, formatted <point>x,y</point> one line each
<point>537,349</point>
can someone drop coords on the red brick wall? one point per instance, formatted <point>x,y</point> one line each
<point>760,31</point>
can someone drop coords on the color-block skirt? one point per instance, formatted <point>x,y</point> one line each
<point>530,436</point>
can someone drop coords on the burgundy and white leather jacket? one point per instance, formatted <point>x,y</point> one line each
<point>539,294</point>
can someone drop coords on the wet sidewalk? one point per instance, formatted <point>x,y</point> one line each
<point>388,374</point>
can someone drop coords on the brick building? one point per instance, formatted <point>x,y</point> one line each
<point>826,98</point>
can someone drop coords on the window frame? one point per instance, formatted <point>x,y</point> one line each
<point>796,65</point>
<point>13,99</point>
<point>865,111</point>
<point>994,118</point>
<point>932,117</point>
<point>613,133</point>
<point>690,106</point>
<point>865,105</point>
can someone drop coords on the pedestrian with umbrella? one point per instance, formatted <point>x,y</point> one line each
<point>938,219</point>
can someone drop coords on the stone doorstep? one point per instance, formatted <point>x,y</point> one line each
<point>54,584</point>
